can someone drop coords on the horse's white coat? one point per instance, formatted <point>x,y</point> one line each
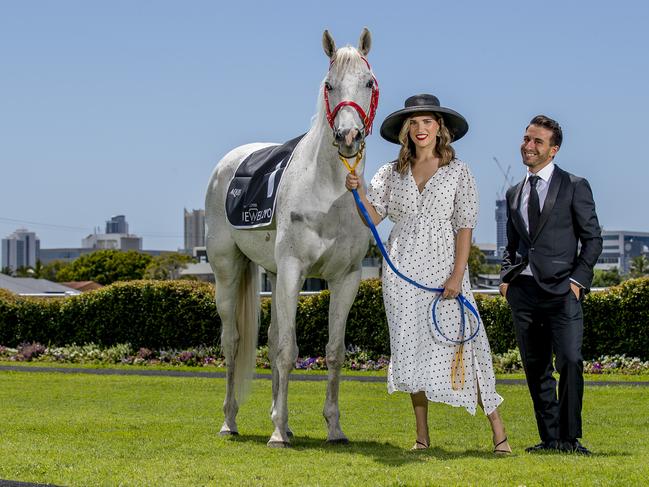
<point>318,234</point>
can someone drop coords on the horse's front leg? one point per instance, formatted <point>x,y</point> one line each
<point>289,281</point>
<point>273,339</point>
<point>343,292</point>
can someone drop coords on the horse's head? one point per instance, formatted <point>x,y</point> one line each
<point>351,93</point>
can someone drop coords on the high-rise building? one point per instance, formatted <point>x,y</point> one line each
<point>20,249</point>
<point>501,226</point>
<point>115,238</point>
<point>194,229</point>
<point>117,224</point>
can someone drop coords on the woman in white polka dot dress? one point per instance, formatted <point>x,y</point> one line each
<point>432,199</point>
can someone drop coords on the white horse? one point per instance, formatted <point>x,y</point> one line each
<point>317,233</point>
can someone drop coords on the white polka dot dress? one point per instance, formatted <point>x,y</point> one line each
<point>422,247</point>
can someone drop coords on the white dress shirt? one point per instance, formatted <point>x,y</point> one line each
<point>542,186</point>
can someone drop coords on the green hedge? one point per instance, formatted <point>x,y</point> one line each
<point>174,314</point>
<point>367,327</point>
<point>617,322</point>
<point>152,314</point>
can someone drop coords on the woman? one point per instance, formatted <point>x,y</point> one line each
<point>431,197</point>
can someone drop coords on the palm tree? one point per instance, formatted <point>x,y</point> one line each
<point>38,269</point>
<point>639,266</point>
<point>24,271</point>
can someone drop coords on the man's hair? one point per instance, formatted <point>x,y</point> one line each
<point>552,125</point>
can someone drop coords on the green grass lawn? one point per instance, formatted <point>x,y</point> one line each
<point>608,377</point>
<point>77,429</point>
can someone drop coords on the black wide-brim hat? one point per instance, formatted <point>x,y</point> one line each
<point>455,123</point>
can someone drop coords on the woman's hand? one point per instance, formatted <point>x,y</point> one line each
<point>452,287</point>
<point>352,181</point>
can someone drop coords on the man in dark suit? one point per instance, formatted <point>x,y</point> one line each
<point>544,278</point>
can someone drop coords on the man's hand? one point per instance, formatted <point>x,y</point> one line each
<point>575,289</point>
<point>503,289</point>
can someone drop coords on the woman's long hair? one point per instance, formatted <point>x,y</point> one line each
<point>443,148</point>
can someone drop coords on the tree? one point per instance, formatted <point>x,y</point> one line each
<point>51,270</point>
<point>639,266</point>
<point>38,270</point>
<point>606,278</point>
<point>476,261</point>
<point>167,266</point>
<point>24,271</point>
<point>7,270</point>
<point>106,267</point>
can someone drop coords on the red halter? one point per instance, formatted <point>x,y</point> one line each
<point>368,119</point>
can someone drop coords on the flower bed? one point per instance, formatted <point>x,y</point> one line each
<point>355,359</point>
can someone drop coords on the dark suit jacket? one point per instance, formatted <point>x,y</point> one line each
<point>568,217</point>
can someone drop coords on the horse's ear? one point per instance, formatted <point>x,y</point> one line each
<point>328,44</point>
<point>365,42</point>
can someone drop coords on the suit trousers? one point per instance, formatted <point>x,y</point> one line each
<point>545,324</point>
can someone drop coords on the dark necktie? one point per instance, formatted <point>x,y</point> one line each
<point>533,207</point>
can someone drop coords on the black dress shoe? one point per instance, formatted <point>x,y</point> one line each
<point>550,445</point>
<point>573,446</point>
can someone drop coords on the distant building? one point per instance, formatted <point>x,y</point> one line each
<point>490,251</point>
<point>66,254</point>
<point>620,247</point>
<point>26,286</point>
<point>202,271</point>
<point>194,229</point>
<point>82,286</point>
<point>501,227</point>
<point>112,241</point>
<point>487,281</point>
<point>117,224</point>
<point>20,249</point>
<point>115,238</point>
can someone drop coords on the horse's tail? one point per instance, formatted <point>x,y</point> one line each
<point>247,316</point>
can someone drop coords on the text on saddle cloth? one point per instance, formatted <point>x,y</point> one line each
<point>252,192</point>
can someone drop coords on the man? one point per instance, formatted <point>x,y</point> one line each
<point>545,277</point>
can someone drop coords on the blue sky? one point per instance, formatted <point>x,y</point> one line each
<point>124,107</point>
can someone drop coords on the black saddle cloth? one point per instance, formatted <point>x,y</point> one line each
<point>250,202</point>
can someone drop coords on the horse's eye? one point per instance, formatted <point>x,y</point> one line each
<point>370,84</point>
<point>328,86</point>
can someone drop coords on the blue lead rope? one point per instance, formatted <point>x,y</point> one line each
<point>462,301</point>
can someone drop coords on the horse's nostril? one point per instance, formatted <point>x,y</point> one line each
<point>338,135</point>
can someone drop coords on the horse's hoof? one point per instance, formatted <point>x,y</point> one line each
<point>278,444</point>
<point>228,433</point>
<point>338,441</point>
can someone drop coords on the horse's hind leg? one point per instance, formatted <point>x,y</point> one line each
<point>228,271</point>
<point>343,293</point>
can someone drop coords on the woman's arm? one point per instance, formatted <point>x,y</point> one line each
<point>352,181</point>
<point>453,285</point>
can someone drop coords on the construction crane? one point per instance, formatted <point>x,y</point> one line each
<point>509,181</point>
